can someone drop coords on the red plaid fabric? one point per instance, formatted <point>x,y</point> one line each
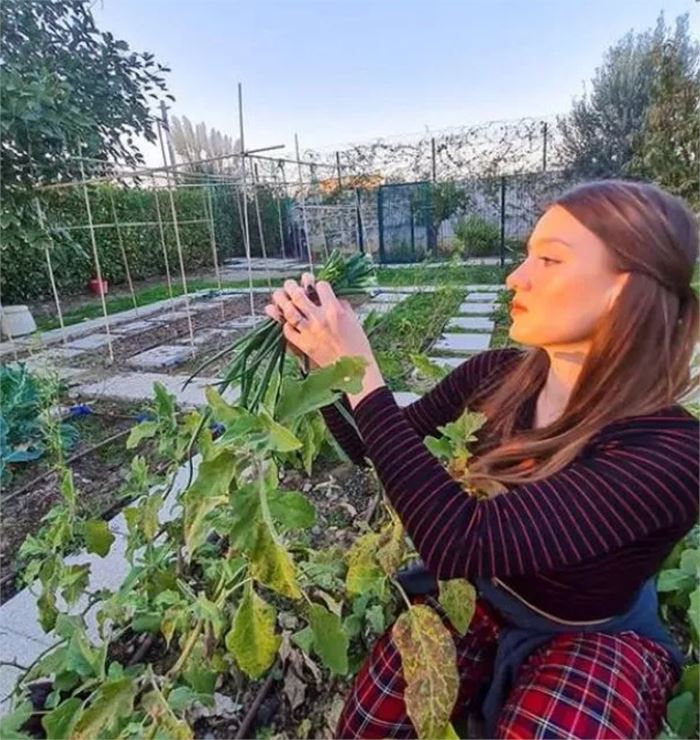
<point>591,685</point>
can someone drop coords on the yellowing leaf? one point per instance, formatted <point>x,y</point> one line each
<point>252,639</point>
<point>270,564</point>
<point>209,491</point>
<point>364,574</point>
<point>98,538</point>
<point>428,656</point>
<point>112,701</point>
<point>458,599</point>
<point>392,549</point>
<point>144,430</point>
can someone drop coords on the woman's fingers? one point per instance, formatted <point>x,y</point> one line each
<point>307,280</point>
<point>299,298</point>
<point>274,313</point>
<point>325,293</point>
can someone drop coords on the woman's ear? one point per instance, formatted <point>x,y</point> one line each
<point>617,288</point>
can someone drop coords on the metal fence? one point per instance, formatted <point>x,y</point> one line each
<point>479,217</point>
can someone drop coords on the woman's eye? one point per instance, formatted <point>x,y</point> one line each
<point>549,261</point>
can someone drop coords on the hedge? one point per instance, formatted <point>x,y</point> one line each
<point>24,275</point>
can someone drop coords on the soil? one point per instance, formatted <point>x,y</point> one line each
<point>98,477</point>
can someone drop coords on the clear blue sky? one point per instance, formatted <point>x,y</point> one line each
<point>337,71</point>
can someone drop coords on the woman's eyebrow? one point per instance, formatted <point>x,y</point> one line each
<point>549,240</point>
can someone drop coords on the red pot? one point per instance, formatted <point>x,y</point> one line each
<point>98,287</point>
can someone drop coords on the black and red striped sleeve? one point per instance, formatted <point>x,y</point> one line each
<point>641,477</point>
<point>442,404</point>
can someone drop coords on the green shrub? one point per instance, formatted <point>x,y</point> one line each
<point>476,237</point>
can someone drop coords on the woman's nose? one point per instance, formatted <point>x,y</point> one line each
<point>517,279</point>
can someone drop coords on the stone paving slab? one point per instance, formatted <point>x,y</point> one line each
<point>462,343</point>
<point>91,341</point>
<point>378,308</point>
<point>165,355</point>
<point>244,322</point>
<point>486,288</point>
<point>470,323</point>
<point>405,398</point>
<point>451,361</point>
<point>204,336</point>
<point>134,327</point>
<point>476,309</point>
<point>139,386</point>
<point>386,297</point>
<point>477,297</point>
<point>168,316</point>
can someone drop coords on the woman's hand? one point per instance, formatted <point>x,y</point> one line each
<point>324,329</point>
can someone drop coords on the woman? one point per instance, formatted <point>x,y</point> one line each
<point>598,461</point>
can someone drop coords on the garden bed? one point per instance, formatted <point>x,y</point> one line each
<point>99,468</point>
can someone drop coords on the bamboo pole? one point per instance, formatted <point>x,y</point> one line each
<point>178,243</point>
<point>246,225</point>
<point>123,252</point>
<point>96,257</point>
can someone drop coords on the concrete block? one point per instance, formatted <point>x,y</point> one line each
<point>477,297</point>
<point>205,336</point>
<point>168,316</point>
<point>462,343</point>
<point>91,341</point>
<point>453,362</point>
<point>405,398</point>
<point>470,323</point>
<point>166,355</point>
<point>139,386</point>
<point>476,309</point>
<point>134,327</point>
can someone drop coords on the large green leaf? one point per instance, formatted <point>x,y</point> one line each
<point>11,722</point>
<point>428,657</point>
<point>329,639</point>
<point>113,701</point>
<point>272,565</point>
<point>144,430</point>
<point>682,714</point>
<point>245,514</point>
<point>320,388</point>
<point>252,640</point>
<point>59,723</point>
<point>209,491</point>
<point>98,538</point>
<point>291,509</point>
<point>458,599</point>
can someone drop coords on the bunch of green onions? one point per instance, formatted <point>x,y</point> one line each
<point>260,353</point>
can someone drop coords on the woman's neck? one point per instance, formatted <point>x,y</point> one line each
<point>565,365</point>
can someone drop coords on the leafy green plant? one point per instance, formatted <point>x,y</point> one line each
<point>258,356</point>
<point>476,237</point>
<point>25,429</point>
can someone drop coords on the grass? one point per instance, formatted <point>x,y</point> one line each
<point>410,328</point>
<point>144,297</point>
<point>405,276</point>
<point>457,274</point>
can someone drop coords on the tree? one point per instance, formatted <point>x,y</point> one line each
<point>599,135</point>
<point>193,143</point>
<point>67,88</point>
<point>666,150</point>
<point>66,84</point>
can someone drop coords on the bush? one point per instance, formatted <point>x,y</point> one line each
<point>476,237</point>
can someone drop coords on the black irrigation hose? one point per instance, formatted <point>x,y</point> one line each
<point>50,471</point>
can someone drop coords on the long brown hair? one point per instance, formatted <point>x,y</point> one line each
<point>641,349</point>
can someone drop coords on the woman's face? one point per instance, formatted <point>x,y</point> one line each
<point>564,286</point>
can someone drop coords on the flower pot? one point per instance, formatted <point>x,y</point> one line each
<point>17,321</point>
<point>98,287</point>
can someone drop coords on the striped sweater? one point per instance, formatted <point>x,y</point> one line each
<point>577,544</point>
